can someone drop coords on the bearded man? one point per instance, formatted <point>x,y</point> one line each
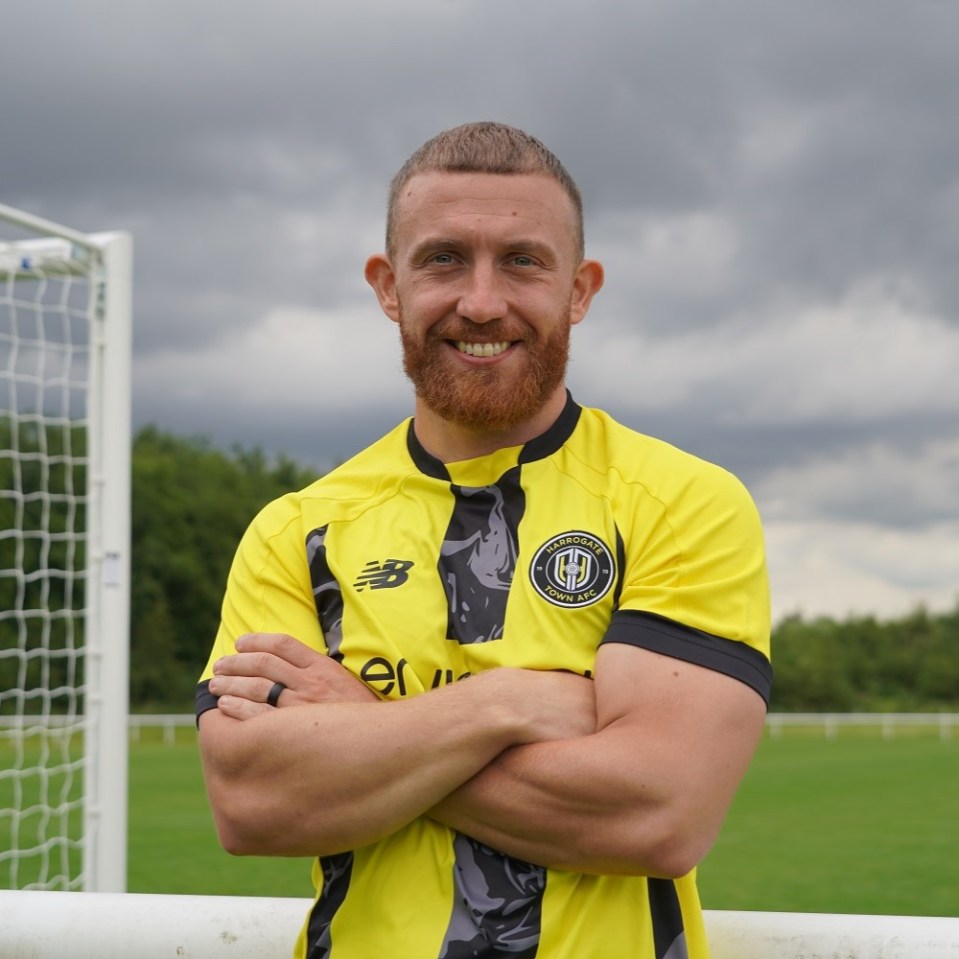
<point>502,672</point>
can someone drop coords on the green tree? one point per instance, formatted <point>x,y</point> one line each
<point>191,504</point>
<point>808,664</point>
<point>862,664</point>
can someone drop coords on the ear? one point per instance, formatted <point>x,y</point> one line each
<point>587,282</point>
<point>379,274</point>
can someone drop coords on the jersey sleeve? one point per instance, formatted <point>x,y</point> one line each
<point>694,583</point>
<point>268,589</point>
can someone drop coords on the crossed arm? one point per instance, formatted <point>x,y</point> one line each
<point>629,773</point>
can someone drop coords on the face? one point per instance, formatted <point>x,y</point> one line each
<point>485,283</point>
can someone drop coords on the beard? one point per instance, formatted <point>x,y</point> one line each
<point>485,398</point>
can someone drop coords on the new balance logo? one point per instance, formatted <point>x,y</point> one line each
<point>386,575</point>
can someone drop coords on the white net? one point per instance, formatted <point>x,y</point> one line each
<point>49,293</point>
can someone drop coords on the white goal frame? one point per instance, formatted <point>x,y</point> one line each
<point>105,261</point>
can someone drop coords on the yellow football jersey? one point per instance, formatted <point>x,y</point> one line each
<point>415,574</point>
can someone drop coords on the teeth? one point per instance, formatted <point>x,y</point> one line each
<point>482,349</point>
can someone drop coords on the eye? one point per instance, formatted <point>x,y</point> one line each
<point>441,259</point>
<point>522,259</point>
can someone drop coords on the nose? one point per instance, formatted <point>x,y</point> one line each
<point>482,297</point>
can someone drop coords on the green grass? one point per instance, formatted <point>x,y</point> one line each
<point>858,824</point>
<point>172,846</point>
<point>854,825</point>
<point>41,795</point>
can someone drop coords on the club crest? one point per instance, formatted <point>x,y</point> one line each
<point>573,569</point>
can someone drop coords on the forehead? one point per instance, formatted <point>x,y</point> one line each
<point>478,205</point>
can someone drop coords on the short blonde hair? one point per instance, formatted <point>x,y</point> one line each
<point>484,147</point>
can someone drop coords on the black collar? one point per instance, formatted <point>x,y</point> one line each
<point>536,449</point>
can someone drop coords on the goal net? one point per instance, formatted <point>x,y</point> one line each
<point>64,554</point>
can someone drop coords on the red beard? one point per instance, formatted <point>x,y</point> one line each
<point>485,398</point>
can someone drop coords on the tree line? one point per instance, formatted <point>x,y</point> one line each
<point>192,502</point>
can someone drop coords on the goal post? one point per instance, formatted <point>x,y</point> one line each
<point>65,358</point>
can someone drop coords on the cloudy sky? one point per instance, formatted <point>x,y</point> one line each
<point>773,188</point>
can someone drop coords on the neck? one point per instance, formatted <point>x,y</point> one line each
<point>449,442</point>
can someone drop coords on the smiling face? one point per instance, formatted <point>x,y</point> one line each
<point>485,283</point>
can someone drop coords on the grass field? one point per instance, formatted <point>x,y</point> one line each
<point>855,825</point>
<point>858,824</point>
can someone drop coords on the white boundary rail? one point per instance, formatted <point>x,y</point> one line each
<point>829,723</point>
<point>50,925</point>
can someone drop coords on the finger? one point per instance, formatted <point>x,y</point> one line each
<point>256,689</point>
<point>285,647</point>
<point>253,664</point>
<point>239,708</point>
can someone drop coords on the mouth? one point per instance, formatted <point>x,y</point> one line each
<point>482,349</point>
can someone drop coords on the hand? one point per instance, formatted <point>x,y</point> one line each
<point>243,682</point>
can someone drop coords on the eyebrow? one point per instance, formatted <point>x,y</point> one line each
<point>431,245</point>
<point>436,243</point>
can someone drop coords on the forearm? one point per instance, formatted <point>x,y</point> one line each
<point>645,794</point>
<point>565,805</point>
<point>322,778</point>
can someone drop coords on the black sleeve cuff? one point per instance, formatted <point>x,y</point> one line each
<point>204,698</point>
<point>661,635</point>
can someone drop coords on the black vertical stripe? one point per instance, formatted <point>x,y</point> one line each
<point>326,592</point>
<point>336,869</point>
<point>667,919</point>
<point>478,557</point>
<point>336,881</point>
<point>620,568</point>
<point>497,905</point>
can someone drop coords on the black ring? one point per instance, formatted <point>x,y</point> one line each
<point>273,696</point>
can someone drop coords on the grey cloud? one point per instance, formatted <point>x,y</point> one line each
<point>787,155</point>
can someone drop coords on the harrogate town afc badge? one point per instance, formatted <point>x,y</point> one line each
<point>573,569</point>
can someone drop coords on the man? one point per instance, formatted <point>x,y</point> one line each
<point>604,593</point>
